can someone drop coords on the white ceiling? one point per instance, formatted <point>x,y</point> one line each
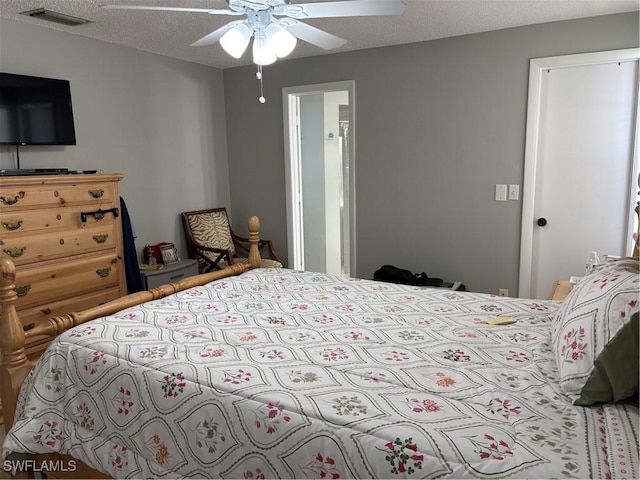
<point>171,33</point>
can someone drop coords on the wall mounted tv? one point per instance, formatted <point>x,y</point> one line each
<point>35,111</point>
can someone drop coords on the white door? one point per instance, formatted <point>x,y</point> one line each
<point>580,166</point>
<point>319,155</point>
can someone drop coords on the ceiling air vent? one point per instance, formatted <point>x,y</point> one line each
<point>56,17</point>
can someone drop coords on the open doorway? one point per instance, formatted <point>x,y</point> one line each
<point>319,153</point>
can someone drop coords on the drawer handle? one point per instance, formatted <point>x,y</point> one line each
<point>29,326</point>
<point>15,252</point>
<point>98,193</point>
<point>101,238</point>
<point>12,225</point>
<point>98,214</point>
<point>103,272</point>
<point>46,311</point>
<point>22,290</point>
<point>11,199</point>
<point>175,277</point>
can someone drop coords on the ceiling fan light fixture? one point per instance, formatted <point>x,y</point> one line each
<point>236,40</point>
<point>280,40</point>
<point>263,52</point>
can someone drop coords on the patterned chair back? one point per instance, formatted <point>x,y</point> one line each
<point>212,229</point>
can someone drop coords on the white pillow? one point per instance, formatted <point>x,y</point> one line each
<point>590,316</point>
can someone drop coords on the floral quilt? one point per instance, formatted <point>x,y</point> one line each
<point>285,374</point>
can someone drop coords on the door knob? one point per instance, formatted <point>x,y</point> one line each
<point>542,222</point>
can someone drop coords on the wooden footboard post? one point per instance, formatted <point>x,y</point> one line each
<point>14,365</point>
<point>254,251</point>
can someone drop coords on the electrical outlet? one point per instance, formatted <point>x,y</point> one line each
<point>503,292</point>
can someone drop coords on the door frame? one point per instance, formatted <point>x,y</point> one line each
<point>295,243</point>
<point>534,117</point>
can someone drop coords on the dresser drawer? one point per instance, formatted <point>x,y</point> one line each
<point>56,281</point>
<point>25,249</point>
<point>37,196</point>
<point>19,222</point>
<point>37,315</point>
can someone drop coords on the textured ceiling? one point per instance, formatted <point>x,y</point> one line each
<point>171,33</point>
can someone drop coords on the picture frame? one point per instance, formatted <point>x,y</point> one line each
<point>169,254</point>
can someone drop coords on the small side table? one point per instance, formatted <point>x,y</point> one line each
<point>169,273</point>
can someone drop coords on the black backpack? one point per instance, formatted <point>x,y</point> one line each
<point>391,274</point>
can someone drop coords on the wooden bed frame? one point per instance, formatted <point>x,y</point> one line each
<point>15,365</point>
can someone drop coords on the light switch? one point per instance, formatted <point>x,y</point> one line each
<point>514,192</point>
<point>501,193</point>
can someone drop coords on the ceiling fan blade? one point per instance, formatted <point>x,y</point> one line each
<point>346,8</point>
<point>171,9</point>
<point>312,35</point>
<point>216,35</point>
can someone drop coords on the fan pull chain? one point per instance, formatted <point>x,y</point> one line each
<point>259,77</point>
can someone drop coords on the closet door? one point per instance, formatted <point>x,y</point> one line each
<point>580,180</point>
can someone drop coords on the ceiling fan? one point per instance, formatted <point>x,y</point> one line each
<point>274,24</point>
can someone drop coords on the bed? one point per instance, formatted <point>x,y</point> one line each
<point>275,373</point>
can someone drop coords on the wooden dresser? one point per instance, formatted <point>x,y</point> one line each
<point>64,234</point>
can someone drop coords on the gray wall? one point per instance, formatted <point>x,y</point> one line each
<point>158,121</point>
<point>438,124</point>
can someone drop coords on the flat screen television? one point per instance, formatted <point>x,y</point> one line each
<point>35,111</point>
